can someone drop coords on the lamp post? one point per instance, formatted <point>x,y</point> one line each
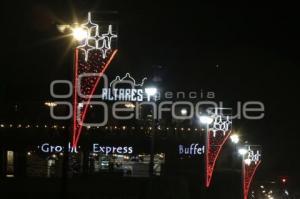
<point>151,92</point>
<point>102,56</point>
<point>216,137</point>
<point>206,120</point>
<point>251,159</point>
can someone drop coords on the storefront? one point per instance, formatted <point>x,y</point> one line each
<point>124,151</point>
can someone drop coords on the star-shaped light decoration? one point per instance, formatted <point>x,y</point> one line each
<point>109,36</point>
<point>93,39</point>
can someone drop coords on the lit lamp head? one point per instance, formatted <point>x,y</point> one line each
<point>247,161</point>
<point>206,119</point>
<point>183,111</point>
<point>242,151</point>
<point>235,138</point>
<point>150,91</point>
<point>50,104</point>
<point>79,33</point>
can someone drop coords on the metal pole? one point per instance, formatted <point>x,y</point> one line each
<point>243,178</point>
<point>152,134</point>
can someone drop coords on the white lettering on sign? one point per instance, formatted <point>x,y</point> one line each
<point>48,148</point>
<point>193,149</point>
<point>112,149</point>
<point>122,94</point>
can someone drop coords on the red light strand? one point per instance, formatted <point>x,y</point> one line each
<point>213,149</point>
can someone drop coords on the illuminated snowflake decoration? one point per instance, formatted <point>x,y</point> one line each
<point>95,41</point>
<point>252,156</point>
<point>221,124</point>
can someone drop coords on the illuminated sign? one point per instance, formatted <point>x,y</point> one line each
<point>133,91</point>
<point>48,148</point>
<point>193,149</point>
<point>96,148</point>
<point>122,94</point>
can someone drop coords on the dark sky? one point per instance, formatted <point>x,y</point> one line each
<point>255,46</point>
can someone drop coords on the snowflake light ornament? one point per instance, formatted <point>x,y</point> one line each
<point>221,124</point>
<point>252,156</point>
<point>95,41</point>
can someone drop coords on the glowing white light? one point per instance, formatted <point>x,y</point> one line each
<point>247,161</point>
<point>183,111</point>
<point>79,33</point>
<point>50,104</point>
<point>129,105</point>
<point>206,119</point>
<point>93,35</point>
<point>151,91</point>
<point>63,28</point>
<point>235,138</point>
<point>242,151</point>
<point>286,192</point>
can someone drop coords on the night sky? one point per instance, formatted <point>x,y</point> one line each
<point>240,51</point>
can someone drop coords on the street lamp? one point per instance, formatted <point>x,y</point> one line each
<point>242,151</point>
<point>235,138</point>
<point>151,91</point>
<point>183,111</point>
<point>206,120</point>
<point>50,104</point>
<point>79,33</point>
